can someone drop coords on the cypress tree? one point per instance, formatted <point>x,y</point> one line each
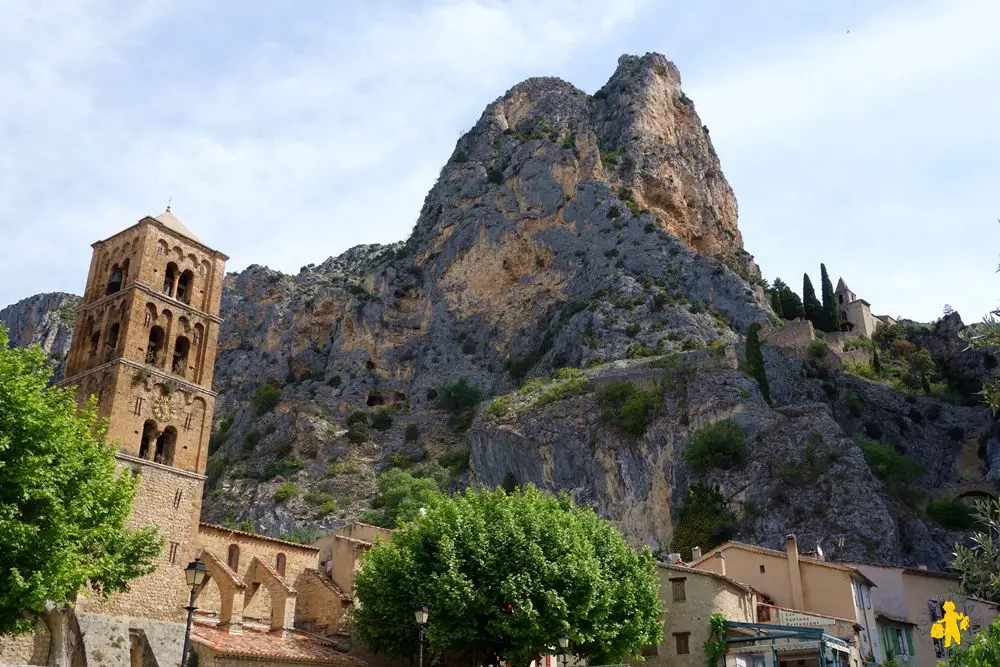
<point>755,361</point>
<point>776,302</point>
<point>810,304</point>
<point>831,314</point>
<point>876,362</point>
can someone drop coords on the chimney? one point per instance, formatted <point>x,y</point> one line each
<point>696,553</point>
<point>794,573</point>
<point>722,563</point>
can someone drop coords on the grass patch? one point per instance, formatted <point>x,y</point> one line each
<point>286,492</point>
<point>897,471</point>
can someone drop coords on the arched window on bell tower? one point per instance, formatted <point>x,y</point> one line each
<point>181,348</point>
<point>148,439</point>
<point>165,446</point>
<point>115,281</point>
<point>155,354</point>
<point>111,344</point>
<point>185,284</point>
<point>170,279</point>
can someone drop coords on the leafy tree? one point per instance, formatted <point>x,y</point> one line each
<point>629,408</point>
<point>831,313</point>
<point>460,399</point>
<point>981,650</point>
<point>979,564</point>
<point>812,306</point>
<point>503,574</point>
<point>876,362</point>
<point>400,497</point>
<point>755,361</point>
<point>63,501</point>
<point>704,520</point>
<point>719,445</point>
<point>986,335</point>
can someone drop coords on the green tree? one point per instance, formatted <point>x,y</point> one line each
<point>979,564</point>
<point>831,313</point>
<point>981,336</point>
<point>775,297</point>
<point>704,520</point>
<point>503,574</point>
<point>981,650</point>
<point>810,304</point>
<point>63,502</point>
<point>755,361</point>
<point>400,497</point>
<point>791,305</point>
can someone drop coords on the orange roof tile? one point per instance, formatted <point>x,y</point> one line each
<point>265,538</point>
<point>258,644</point>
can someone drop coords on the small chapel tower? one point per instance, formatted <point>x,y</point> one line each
<point>145,342</point>
<point>144,348</point>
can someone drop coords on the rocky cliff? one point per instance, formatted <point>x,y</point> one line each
<point>46,320</point>
<point>567,231</point>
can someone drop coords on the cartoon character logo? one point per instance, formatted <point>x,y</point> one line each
<point>949,628</point>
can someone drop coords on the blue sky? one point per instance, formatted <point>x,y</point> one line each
<point>859,133</point>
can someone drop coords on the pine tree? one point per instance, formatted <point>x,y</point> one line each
<point>810,304</point>
<point>755,361</point>
<point>791,305</point>
<point>831,313</point>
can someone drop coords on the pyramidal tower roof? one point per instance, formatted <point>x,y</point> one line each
<point>842,286</point>
<point>169,220</point>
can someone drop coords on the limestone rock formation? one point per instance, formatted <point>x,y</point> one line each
<point>44,319</point>
<point>566,230</point>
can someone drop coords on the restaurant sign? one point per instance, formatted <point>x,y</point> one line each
<point>799,619</point>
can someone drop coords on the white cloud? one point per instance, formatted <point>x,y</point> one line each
<point>305,140</point>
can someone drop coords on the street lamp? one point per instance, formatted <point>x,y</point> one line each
<point>420,613</point>
<point>564,644</point>
<point>195,575</point>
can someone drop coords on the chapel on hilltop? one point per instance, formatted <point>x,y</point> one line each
<point>856,314</point>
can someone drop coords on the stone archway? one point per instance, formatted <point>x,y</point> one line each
<point>283,596</point>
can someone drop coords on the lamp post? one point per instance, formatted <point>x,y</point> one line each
<point>564,645</point>
<point>420,613</point>
<point>195,575</point>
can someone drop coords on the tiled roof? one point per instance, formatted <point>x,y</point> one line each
<point>753,548</point>
<point>223,529</point>
<point>686,570</point>
<point>329,583</point>
<point>257,643</point>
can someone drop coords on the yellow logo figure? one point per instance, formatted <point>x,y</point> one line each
<point>949,628</point>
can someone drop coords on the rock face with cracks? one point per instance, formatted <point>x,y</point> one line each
<point>567,230</point>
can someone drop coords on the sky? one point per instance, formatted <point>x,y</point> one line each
<point>858,133</point>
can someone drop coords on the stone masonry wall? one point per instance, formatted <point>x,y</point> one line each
<point>169,499</point>
<point>794,336</point>
<point>32,649</point>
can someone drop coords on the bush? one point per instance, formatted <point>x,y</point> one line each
<point>460,399</point>
<point>265,398</point>
<point>853,403</point>
<point>250,441</point>
<point>357,427</point>
<point>457,461</point>
<point>817,349</point>
<point>704,520</point>
<point>286,492</point>
<point>859,344</point>
<point>400,461</point>
<point>897,471</point>
<point>411,433</point>
<point>952,514</point>
<point>334,469</point>
<point>494,176</point>
<point>382,420</point>
<point>628,408</point>
<point>218,438</point>
<point>718,445</point>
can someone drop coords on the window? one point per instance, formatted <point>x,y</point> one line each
<point>115,282</point>
<point>170,279</point>
<point>155,354</point>
<point>681,640</point>
<point>112,342</point>
<point>762,568</point>
<point>181,347</point>
<point>184,286</point>
<point>840,298</point>
<point>650,651</point>
<point>165,446</point>
<point>677,586</point>
<point>148,436</point>
<point>138,405</point>
<point>174,548</point>
<point>233,557</point>
<point>178,495</point>
<point>279,564</point>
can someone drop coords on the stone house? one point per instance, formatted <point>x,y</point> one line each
<point>790,580</point>
<point>690,597</point>
<point>144,348</point>
<point>907,602</point>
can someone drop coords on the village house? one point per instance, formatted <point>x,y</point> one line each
<point>908,601</point>
<point>790,580</point>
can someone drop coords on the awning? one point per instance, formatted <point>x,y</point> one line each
<point>882,616</point>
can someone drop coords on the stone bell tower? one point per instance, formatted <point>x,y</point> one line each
<point>144,348</point>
